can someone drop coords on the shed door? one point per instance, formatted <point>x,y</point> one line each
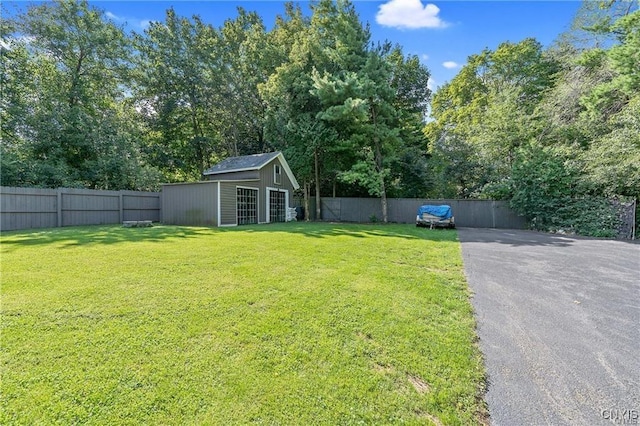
<point>277,206</point>
<point>247,207</point>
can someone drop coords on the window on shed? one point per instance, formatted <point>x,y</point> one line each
<point>247,210</point>
<point>277,172</point>
<point>277,206</point>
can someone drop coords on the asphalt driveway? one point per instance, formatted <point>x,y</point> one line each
<point>559,326</point>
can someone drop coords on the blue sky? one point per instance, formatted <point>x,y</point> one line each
<point>442,33</point>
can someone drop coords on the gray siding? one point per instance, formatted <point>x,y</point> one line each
<point>26,208</point>
<point>266,177</point>
<point>267,181</point>
<point>196,203</point>
<point>257,179</point>
<point>247,174</point>
<point>228,194</point>
<point>229,199</point>
<point>471,213</point>
<point>190,204</point>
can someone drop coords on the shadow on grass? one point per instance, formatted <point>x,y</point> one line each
<point>355,230</point>
<point>114,234</point>
<point>96,234</point>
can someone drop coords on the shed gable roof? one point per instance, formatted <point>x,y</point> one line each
<point>251,162</point>
<point>245,162</point>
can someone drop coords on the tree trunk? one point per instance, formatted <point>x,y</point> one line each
<point>317,179</point>
<point>307,195</point>
<point>75,80</point>
<point>379,165</point>
<point>380,171</point>
<point>383,198</point>
<point>234,147</point>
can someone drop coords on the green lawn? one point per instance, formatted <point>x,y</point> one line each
<point>272,324</point>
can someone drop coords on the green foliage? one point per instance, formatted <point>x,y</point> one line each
<point>625,56</point>
<point>331,42</point>
<point>347,110</point>
<point>175,89</point>
<point>592,216</point>
<point>555,131</point>
<point>67,120</point>
<point>545,191</point>
<point>84,105</point>
<point>411,173</point>
<point>497,190</point>
<point>613,160</point>
<point>484,114</point>
<point>541,181</point>
<point>365,173</point>
<point>359,104</point>
<point>177,325</point>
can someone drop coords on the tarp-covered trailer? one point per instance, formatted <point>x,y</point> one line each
<point>435,216</point>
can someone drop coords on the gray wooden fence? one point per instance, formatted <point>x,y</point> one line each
<point>26,208</point>
<point>471,213</point>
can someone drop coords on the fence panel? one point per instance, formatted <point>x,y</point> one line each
<point>331,209</point>
<point>23,208</point>
<point>26,208</point>
<point>141,206</point>
<point>468,213</point>
<point>85,207</point>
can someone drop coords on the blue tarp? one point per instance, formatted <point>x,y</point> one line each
<point>443,212</point>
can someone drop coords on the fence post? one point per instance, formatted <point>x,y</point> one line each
<point>59,206</point>
<point>633,224</point>
<point>493,213</point>
<point>121,204</point>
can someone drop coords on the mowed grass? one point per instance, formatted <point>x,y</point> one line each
<point>272,324</point>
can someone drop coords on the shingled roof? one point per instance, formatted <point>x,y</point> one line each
<point>251,162</point>
<point>242,163</point>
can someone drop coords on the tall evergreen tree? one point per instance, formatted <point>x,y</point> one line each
<point>332,42</point>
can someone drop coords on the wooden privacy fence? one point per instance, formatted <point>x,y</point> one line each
<point>471,213</point>
<point>26,208</point>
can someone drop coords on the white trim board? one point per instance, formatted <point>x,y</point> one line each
<point>267,197</point>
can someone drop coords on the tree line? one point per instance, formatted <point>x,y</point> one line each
<point>556,131</point>
<point>86,105</point>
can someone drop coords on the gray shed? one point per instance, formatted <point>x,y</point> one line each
<point>239,190</point>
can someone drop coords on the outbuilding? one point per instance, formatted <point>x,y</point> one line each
<point>240,190</point>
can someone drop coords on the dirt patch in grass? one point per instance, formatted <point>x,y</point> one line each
<point>419,385</point>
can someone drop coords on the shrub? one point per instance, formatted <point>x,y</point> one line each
<point>546,191</point>
<point>593,216</point>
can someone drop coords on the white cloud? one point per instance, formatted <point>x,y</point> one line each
<point>424,57</point>
<point>431,84</point>
<point>136,24</point>
<point>9,43</point>
<point>409,14</point>
<point>450,65</point>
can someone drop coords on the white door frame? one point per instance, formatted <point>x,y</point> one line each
<point>268,197</point>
